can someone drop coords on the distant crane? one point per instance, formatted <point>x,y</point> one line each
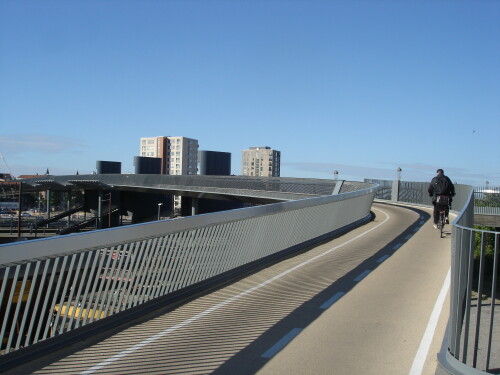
<point>7,166</point>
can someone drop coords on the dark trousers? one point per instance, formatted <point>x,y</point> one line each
<point>437,208</point>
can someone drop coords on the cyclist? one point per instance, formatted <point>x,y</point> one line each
<point>441,189</point>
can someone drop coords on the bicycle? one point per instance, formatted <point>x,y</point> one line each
<point>442,205</point>
<point>441,221</point>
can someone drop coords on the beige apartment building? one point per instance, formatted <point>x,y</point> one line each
<point>261,161</point>
<point>179,155</point>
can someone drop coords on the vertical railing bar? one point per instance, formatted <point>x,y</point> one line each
<point>146,273</point>
<point>138,256</point>
<point>162,268</point>
<point>88,299</point>
<point>50,311</point>
<point>169,259</point>
<point>157,263</point>
<point>266,228</point>
<point>198,255</point>
<point>28,303</point>
<point>220,243</point>
<point>54,298</point>
<point>212,250</point>
<point>470,275</point>
<point>181,263</point>
<point>231,234</point>
<point>479,297</point>
<point>63,296</point>
<point>96,310</point>
<point>41,290</point>
<point>177,281</point>
<point>187,269</point>
<point>72,291</point>
<point>18,306</point>
<point>120,275</point>
<point>203,239</point>
<point>88,304</point>
<point>241,244</point>
<point>2,293</point>
<point>175,262</point>
<point>493,298</point>
<point>236,240</point>
<point>134,255</point>
<point>139,283</point>
<point>170,264</point>
<point>126,275</point>
<point>82,280</point>
<point>108,281</point>
<point>459,261</point>
<point>143,270</point>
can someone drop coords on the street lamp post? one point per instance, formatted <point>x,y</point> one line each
<point>159,206</point>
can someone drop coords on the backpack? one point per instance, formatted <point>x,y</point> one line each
<point>441,186</point>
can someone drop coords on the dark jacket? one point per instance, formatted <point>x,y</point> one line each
<point>432,193</point>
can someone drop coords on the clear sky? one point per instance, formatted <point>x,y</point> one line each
<point>361,87</point>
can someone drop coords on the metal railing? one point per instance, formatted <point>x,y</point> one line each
<point>487,200</point>
<point>52,286</point>
<point>473,342</point>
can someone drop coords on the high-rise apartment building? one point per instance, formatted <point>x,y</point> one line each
<point>261,161</point>
<point>179,154</point>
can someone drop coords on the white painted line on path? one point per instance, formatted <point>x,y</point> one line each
<point>185,323</point>
<point>423,350</point>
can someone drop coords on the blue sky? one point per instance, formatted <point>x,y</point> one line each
<point>362,87</point>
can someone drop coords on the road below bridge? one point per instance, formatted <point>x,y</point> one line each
<point>359,304</point>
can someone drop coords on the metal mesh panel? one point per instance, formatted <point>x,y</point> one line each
<point>385,188</point>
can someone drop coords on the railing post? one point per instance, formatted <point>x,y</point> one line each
<point>395,191</point>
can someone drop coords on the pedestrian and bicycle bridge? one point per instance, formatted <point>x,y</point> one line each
<point>61,291</point>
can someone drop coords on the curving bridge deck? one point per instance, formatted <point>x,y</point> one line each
<point>334,291</point>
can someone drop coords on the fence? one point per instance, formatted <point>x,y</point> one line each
<point>473,333</point>
<point>56,285</point>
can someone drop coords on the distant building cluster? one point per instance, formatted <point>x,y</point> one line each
<point>181,156</point>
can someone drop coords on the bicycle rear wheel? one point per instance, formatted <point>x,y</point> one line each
<point>442,221</point>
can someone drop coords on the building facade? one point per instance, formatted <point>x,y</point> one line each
<point>261,161</point>
<point>179,155</point>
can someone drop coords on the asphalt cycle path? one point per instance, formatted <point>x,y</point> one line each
<point>369,301</point>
